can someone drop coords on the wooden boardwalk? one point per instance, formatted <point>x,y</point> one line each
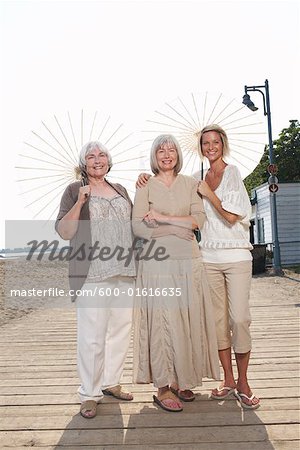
<point>39,405</point>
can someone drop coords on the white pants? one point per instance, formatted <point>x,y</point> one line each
<point>103,334</point>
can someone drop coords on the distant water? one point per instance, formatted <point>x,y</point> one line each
<point>12,255</point>
<point>4,256</point>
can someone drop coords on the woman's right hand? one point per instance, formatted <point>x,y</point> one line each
<point>84,193</point>
<point>184,233</point>
<point>142,180</point>
<point>204,189</point>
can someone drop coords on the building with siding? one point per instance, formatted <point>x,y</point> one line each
<point>288,220</point>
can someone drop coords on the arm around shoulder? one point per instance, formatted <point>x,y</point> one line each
<point>197,207</point>
<point>140,209</point>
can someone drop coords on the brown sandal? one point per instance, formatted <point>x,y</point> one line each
<point>88,406</point>
<point>186,395</point>
<point>168,395</point>
<point>118,393</point>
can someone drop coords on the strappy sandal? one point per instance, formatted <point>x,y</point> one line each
<point>222,393</point>
<point>118,392</point>
<point>88,409</point>
<point>240,396</point>
<point>185,395</point>
<point>168,395</point>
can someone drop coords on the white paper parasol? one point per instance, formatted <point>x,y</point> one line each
<point>49,161</point>
<point>185,116</point>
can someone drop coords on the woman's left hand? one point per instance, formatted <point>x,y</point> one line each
<point>204,189</point>
<point>152,217</point>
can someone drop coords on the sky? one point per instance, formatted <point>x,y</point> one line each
<point>128,57</point>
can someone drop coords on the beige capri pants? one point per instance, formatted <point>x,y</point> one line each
<point>230,288</point>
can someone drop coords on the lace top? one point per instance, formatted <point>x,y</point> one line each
<point>217,233</point>
<point>111,232</point>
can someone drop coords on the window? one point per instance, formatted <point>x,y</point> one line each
<point>261,231</point>
<point>251,231</point>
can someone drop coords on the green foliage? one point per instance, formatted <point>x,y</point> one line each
<point>286,155</point>
<point>295,269</point>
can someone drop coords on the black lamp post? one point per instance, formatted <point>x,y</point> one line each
<point>273,180</point>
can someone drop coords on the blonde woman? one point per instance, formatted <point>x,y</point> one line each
<point>228,262</point>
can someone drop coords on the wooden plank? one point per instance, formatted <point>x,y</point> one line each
<point>38,356</point>
<point>153,420</point>
<point>166,435</point>
<point>266,445</point>
<point>114,407</point>
<point>38,399</point>
<point>292,363</point>
<point>60,387</point>
<point>55,373</point>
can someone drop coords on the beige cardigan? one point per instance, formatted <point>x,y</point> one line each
<point>79,265</point>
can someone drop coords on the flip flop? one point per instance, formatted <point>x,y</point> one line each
<point>118,393</point>
<point>227,392</point>
<point>180,394</point>
<point>88,405</point>
<point>240,396</point>
<point>166,396</point>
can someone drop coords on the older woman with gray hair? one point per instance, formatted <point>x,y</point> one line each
<point>175,343</point>
<point>96,217</point>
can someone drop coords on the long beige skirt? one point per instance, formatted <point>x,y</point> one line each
<point>174,328</point>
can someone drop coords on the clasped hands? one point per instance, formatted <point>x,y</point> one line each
<point>153,219</point>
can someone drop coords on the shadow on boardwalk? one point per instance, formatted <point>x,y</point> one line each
<point>204,425</point>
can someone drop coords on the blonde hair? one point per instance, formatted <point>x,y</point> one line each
<point>222,134</point>
<point>157,144</point>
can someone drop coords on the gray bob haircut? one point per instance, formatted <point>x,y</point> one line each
<point>222,134</point>
<point>157,144</point>
<point>88,148</point>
